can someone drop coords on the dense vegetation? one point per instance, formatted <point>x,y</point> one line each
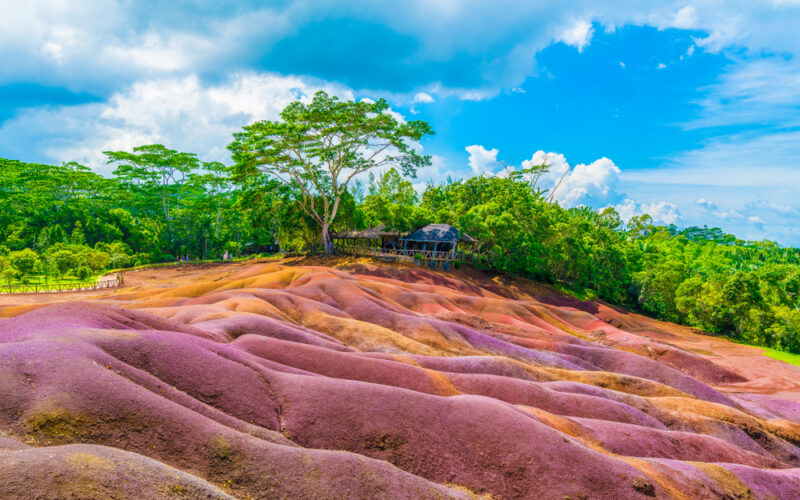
<point>161,204</point>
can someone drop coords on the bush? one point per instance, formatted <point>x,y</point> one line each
<point>83,272</point>
<point>119,260</point>
<point>97,261</point>
<point>7,275</point>
<point>24,261</point>
<point>141,259</point>
<point>64,260</point>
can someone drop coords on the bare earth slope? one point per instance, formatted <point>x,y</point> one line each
<point>350,379</point>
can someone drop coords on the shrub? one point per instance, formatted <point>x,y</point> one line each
<point>141,259</point>
<point>119,260</point>
<point>24,261</point>
<point>64,260</point>
<point>83,272</point>
<point>7,275</point>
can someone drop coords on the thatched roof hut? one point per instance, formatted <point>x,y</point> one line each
<point>438,233</point>
<point>373,233</point>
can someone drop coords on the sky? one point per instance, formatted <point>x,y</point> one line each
<point>688,111</point>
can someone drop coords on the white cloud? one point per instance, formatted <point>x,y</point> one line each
<point>116,40</point>
<point>686,18</point>
<point>181,113</point>
<point>755,161</point>
<point>712,209</point>
<point>707,204</point>
<point>578,35</point>
<point>661,66</point>
<point>592,185</point>
<point>481,160</point>
<point>622,65</point>
<point>661,212</point>
<point>422,97</point>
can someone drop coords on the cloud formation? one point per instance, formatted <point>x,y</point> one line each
<point>182,113</point>
<point>481,160</point>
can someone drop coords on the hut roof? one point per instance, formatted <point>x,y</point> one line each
<point>438,233</point>
<point>373,233</point>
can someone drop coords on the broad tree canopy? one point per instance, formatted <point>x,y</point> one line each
<point>318,148</point>
<point>154,167</point>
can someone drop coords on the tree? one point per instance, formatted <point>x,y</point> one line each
<point>64,260</point>
<point>83,272</point>
<point>23,261</point>
<point>7,275</point>
<point>154,167</point>
<point>318,148</point>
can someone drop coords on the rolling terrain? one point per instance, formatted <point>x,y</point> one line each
<point>357,379</point>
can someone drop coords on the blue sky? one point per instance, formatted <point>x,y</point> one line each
<point>689,111</point>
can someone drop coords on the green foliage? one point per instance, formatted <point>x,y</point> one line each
<point>64,261</point>
<point>318,148</point>
<point>296,179</point>
<point>83,272</point>
<point>24,261</point>
<point>7,275</point>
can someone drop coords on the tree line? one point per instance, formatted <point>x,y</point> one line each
<point>295,180</point>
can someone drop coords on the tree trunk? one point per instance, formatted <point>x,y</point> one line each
<point>327,244</point>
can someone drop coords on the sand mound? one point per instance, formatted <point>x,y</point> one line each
<point>372,381</point>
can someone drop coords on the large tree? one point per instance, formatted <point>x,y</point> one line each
<point>318,148</point>
<point>154,169</point>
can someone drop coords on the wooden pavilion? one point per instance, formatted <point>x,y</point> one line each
<point>438,242</point>
<point>370,240</point>
<point>434,243</point>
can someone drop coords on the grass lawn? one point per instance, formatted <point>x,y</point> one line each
<point>39,280</point>
<point>788,357</point>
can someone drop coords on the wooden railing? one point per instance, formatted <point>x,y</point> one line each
<point>402,254</point>
<point>60,287</point>
<point>104,283</point>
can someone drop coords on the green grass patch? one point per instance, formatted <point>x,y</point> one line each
<point>52,280</point>
<point>787,357</point>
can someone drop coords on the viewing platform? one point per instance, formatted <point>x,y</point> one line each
<point>435,243</point>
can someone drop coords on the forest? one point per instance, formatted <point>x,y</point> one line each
<point>68,222</point>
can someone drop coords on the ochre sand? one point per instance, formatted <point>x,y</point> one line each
<point>344,378</point>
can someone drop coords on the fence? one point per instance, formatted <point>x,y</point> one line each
<point>104,283</point>
<point>60,287</point>
<point>404,254</point>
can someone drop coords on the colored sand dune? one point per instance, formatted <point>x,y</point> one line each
<point>363,380</point>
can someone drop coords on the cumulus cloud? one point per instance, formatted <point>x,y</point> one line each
<point>756,221</point>
<point>182,113</point>
<point>707,204</point>
<point>422,97</point>
<point>578,35</point>
<point>100,44</point>
<point>661,212</point>
<point>685,18</point>
<point>481,160</point>
<point>712,209</point>
<point>592,185</point>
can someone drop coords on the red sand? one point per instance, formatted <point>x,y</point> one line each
<point>352,379</point>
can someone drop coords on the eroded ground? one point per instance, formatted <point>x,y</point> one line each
<point>350,379</point>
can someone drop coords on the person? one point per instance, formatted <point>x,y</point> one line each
<point>225,256</point>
